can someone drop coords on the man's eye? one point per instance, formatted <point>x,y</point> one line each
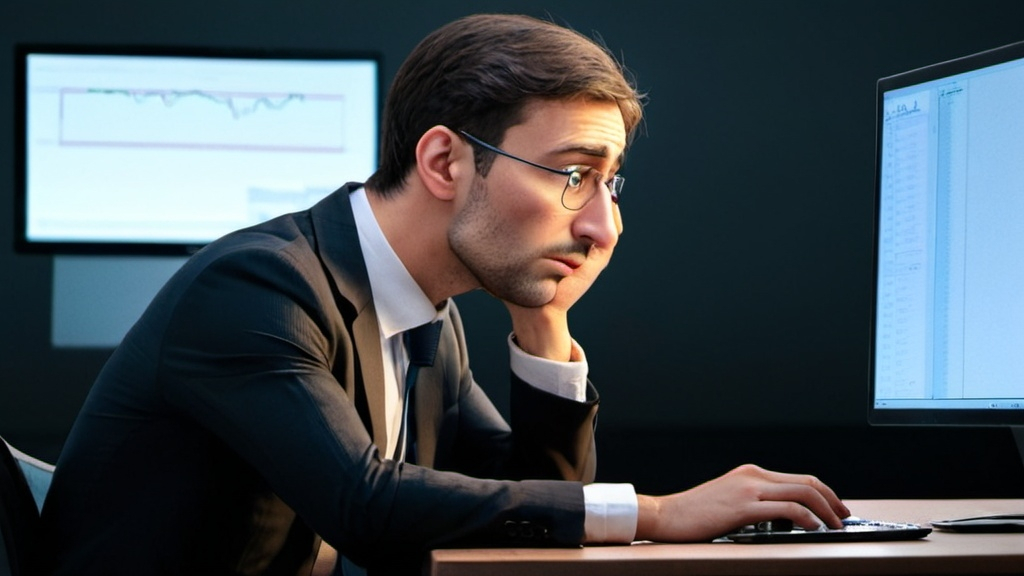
<point>577,175</point>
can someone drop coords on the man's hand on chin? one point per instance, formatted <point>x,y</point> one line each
<point>544,330</point>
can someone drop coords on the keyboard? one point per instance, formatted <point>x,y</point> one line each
<point>853,530</point>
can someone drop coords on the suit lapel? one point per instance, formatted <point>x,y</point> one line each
<point>366,333</point>
<point>429,398</point>
<point>338,247</point>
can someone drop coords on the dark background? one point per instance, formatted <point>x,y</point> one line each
<point>732,325</point>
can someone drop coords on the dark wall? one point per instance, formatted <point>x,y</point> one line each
<point>738,299</point>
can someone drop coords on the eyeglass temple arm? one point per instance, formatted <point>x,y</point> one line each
<point>497,150</point>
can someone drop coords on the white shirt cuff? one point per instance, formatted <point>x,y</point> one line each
<point>611,513</point>
<point>565,379</point>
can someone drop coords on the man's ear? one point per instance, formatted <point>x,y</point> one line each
<point>442,159</point>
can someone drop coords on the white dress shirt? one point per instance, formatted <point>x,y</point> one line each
<point>611,509</point>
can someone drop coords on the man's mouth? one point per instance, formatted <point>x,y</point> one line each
<point>572,262</point>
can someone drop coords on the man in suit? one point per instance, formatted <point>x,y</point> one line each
<point>257,416</point>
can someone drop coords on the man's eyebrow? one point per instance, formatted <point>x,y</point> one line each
<point>595,151</point>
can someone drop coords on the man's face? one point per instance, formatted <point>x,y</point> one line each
<point>512,232</point>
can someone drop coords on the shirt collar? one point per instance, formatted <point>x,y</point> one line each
<point>399,301</point>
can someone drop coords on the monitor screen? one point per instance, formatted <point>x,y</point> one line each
<point>149,150</point>
<point>948,314</point>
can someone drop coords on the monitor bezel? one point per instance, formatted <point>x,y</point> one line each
<point>934,416</point>
<point>25,245</point>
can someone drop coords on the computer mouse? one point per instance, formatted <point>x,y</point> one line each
<point>992,523</point>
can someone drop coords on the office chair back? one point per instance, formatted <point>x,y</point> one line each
<point>19,517</point>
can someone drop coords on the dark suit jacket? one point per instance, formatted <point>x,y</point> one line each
<point>240,420</point>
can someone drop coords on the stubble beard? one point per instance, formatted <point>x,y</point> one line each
<point>481,242</point>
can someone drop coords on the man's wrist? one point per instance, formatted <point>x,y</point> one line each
<point>543,335</point>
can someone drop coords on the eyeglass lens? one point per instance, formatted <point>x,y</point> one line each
<point>575,197</point>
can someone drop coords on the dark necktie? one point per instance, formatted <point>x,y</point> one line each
<point>421,346</point>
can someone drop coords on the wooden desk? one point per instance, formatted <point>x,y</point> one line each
<point>938,553</point>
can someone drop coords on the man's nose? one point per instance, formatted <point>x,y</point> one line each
<point>599,221</point>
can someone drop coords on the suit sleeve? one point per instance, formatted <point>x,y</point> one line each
<point>268,371</point>
<point>551,437</point>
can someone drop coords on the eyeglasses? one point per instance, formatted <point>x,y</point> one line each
<point>582,182</point>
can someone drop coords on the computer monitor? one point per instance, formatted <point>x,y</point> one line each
<point>159,150</point>
<point>947,344</point>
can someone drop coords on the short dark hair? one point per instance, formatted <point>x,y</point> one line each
<point>477,74</point>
